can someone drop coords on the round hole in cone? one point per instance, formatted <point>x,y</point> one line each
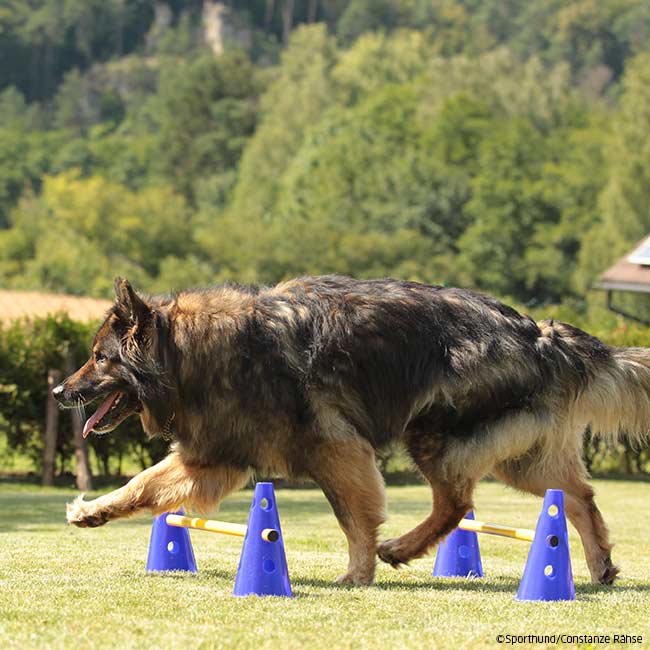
<point>463,551</point>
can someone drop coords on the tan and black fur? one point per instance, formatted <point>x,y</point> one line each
<point>311,377</point>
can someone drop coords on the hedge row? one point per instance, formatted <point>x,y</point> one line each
<point>30,348</point>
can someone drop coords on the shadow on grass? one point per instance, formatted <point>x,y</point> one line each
<point>303,586</point>
<point>499,584</point>
<point>614,589</point>
<point>505,586</point>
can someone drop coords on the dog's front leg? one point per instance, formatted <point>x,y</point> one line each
<point>347,473</point>
<point>166,486</point>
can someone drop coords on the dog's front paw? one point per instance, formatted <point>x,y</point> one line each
<point>391,552</point>
<point>84,514</point>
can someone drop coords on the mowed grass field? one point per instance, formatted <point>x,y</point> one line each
<point>62,587</point>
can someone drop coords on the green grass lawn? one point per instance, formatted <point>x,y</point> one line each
<point>62,587</point>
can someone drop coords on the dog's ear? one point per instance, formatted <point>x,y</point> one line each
<point>129,305</point>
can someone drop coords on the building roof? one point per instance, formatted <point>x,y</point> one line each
<point>33,304</point>
<point>628,275</point>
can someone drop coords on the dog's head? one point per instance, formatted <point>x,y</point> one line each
<point>123,370</point>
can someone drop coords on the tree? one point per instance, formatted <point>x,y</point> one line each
<point>43,40</point>
<point>91,224</point>
<point>624,204</point>
<point>291,104</point>
<point>25,152</point>
<point>376,60</point>
<point>363,195</point>
<point>363,16</point>
<point>208,109</point>
<point>532,197</point>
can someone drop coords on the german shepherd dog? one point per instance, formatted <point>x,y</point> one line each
<point>311,377</point>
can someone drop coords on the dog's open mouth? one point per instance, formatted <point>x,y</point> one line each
<point>115,408</point>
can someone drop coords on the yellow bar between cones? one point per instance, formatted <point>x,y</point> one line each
<point>238,530</point>
<point>524,534</point>
<point>213,526</point>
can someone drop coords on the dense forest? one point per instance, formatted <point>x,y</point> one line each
<point>497,144</point>
<point>502,145</point>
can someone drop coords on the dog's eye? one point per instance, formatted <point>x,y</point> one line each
<point>99,357</point>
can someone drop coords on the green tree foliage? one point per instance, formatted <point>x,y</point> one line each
<point>291,104</point>
<point>501,144</point>
<point>377,60</point>
<point>625,201</point>
<point>587,34</point>
<point>208,110</point>
<point>388,156</point>
<point>25,153</point>
<point>623,215</point>
<point>27,352</point>
<point>363,16</point>
<point>79,233</point>
<point>397,208</point>
<point>530,202</point>
<point>42,40</point>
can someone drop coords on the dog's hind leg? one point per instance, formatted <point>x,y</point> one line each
<point>451,502</point>
<point>452,498</point>
<point>165,486</point>
<point>347,472</point>
<point>570,476</point>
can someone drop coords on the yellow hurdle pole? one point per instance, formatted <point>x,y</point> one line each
<point>223,527</point>
<point>524,534</point>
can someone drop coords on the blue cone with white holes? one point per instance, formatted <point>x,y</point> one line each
<point>170,548</point>
<point>548,574</point>
<point>458,555</point>
<point>263,564</point>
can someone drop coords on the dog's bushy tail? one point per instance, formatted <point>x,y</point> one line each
<point>617,399</point>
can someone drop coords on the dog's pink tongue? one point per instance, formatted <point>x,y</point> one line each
<point>99,413</point>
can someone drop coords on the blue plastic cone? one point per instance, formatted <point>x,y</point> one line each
<point>263,565</point>
<point>548,574</point>
<point>170,548</point>
<point>458,555</point>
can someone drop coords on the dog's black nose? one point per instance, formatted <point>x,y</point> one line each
<point>57,391</point>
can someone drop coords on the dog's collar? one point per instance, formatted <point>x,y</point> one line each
<point>167,432</point>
